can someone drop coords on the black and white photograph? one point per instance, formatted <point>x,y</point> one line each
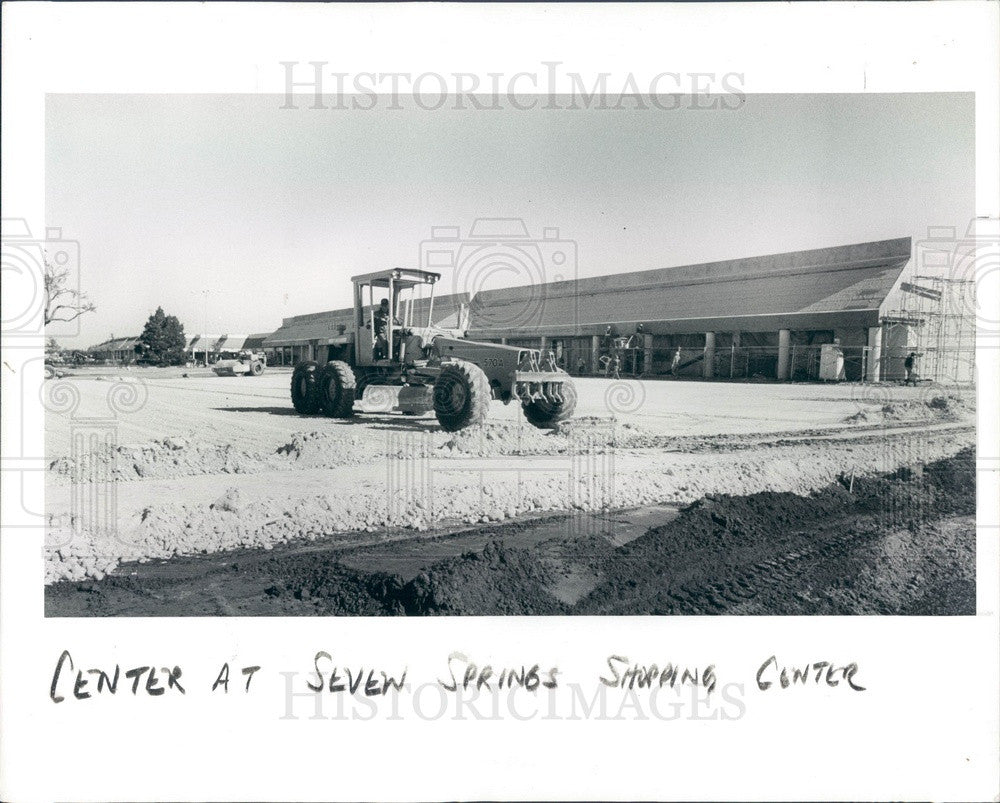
<point>671,355</point>
<point>477,401</point>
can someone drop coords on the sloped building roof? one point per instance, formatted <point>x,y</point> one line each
<point>203,342</point>
<point>233,342</point>
<point>327,326</point>
<point>255,341</point>
<point>320,326</point>
<point>117,344</point>
<point>822,288</point>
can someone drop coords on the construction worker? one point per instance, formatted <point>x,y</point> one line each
<point>675,362</point>
<point>612,364</point>
<point>639,358</point>
<point>910,365</point>
<point>608,341</point>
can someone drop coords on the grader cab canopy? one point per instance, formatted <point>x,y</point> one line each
<point>411,307</point>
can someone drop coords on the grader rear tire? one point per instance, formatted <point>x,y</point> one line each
<point>546,415</point>
<point>336,389</point>
<point>462,396</point>
<point>305,390</point>
<point>256,369</point>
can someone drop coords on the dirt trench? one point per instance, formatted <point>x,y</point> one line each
<point>897,543</point>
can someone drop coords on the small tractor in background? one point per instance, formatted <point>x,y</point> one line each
<point>240,363</point>
<point>415,367</point>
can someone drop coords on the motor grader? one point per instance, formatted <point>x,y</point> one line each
<point>419,367</point>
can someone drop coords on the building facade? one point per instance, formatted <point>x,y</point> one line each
<point>121,350</point>
<point>765,317</point>
<point>783,316</point>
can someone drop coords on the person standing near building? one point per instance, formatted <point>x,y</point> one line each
<point>608,341</point>
<point>910,363</point>
<point>676,361</point>
<point>639,368</point>
<point>614,366</point>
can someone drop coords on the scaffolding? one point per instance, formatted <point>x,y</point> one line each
<point>936,321</point>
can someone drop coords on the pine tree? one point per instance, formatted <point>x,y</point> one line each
<point>163,339</point>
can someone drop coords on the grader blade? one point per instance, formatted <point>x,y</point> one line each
<point>408,399</point>
<point>416,399</point>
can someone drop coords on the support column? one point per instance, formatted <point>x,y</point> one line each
<point>708,367</point>
<point>784,353</point>
<point>503,341</point>
<point>874,354</point>
<point>647,354</point>
<point>595,352</point>
<point>543,344</point>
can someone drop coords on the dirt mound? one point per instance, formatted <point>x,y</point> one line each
<point>748,543</point>
<point>913,493</point>
<point>499,581</point>
<point>168,457</point>
<point>336,590</point>
<point>587,434</point>
<point>188,455</point>
<point>333,449</point>
<point>943,406</point>
<point>577,435</point>
<point>502,438</point>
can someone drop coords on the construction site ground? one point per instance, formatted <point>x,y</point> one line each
<point>659,497</point>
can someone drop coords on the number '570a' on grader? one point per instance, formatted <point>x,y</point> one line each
<point>422,367</point>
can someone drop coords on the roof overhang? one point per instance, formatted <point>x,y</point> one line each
<point>843,319</point>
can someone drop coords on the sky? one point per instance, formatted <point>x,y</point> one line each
<point>272,210</point>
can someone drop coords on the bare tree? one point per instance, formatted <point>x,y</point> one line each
<point>63,303</point>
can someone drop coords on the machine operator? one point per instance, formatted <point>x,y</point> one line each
<point>381,323</point>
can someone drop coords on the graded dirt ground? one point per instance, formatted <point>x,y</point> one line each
<point>901,543</point>
<point>202,468</point>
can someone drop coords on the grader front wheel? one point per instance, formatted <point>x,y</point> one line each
<point>547,414</point>
<point>461,396</point>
